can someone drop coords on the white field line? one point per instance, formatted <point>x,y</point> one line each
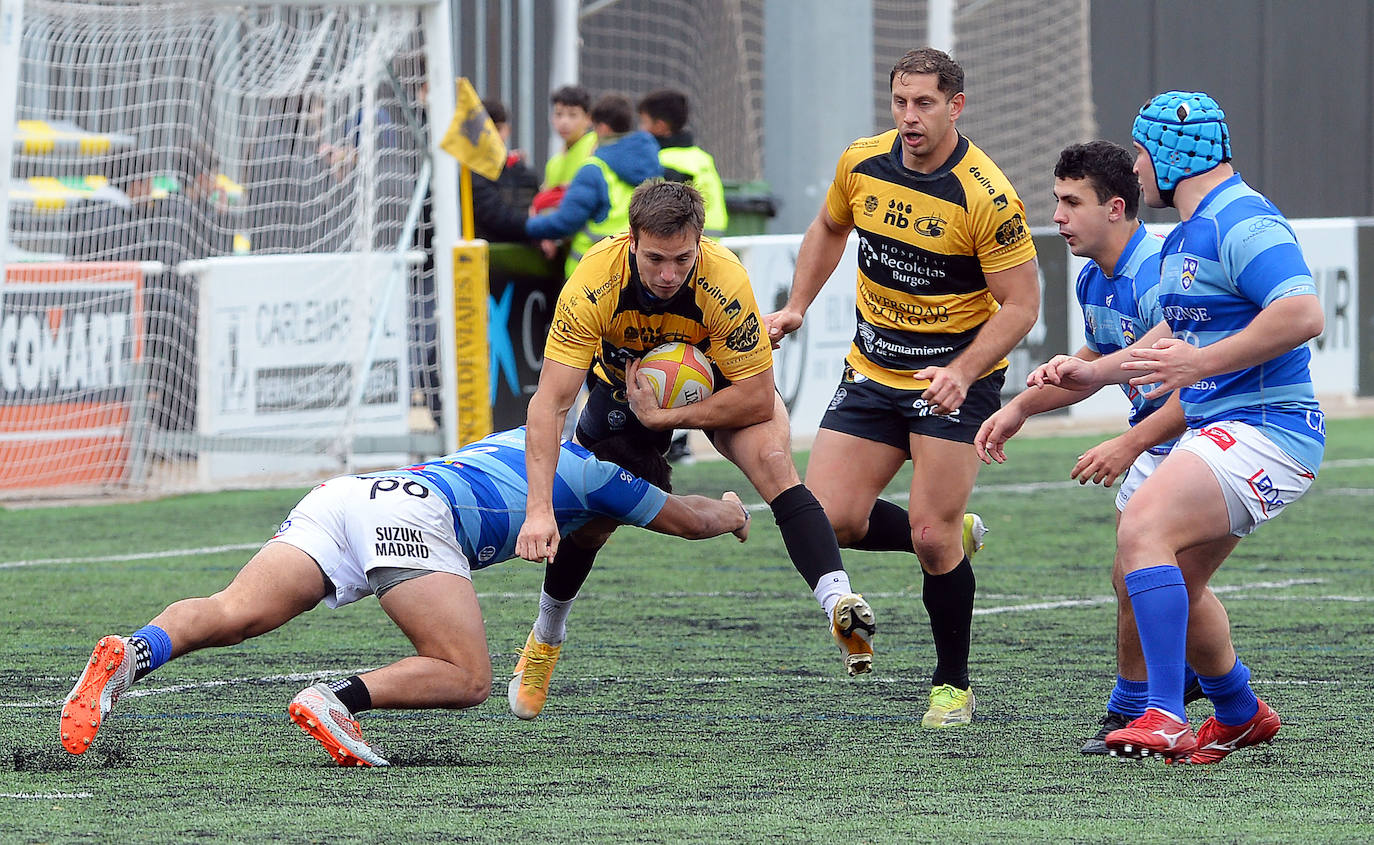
<point>298,677</point>
<point>46,796</point>
<point>753,507</point>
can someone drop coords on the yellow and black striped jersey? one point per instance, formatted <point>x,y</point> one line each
<point>925,243</point>
<point>604,317</point>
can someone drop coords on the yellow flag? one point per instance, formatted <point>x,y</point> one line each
<point>471,137</point>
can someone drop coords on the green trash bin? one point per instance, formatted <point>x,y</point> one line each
<point>750,206</point>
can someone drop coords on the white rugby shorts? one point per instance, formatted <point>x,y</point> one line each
<point>1142,469</point>
<point>350,525</point>
<point>1257,478</point>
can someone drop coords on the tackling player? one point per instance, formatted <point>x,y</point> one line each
<point>1239,306</point>
<point>411,537</point>
<point>659,282</point>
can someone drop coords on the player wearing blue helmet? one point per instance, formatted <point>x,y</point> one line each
<point>1238,305</point>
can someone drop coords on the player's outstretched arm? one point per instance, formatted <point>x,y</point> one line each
<point>700,517</point>
<point>1171,363</point>
<point>558,386</point>
<point>821,249</point>
<point>1005,423</point>
<point>1107,461</point>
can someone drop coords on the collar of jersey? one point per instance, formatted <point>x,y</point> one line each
<point>647,301</point>
<point>1204,206</point>
<point>954,158</point>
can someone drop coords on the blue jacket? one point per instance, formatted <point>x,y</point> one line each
<point>633,158</point>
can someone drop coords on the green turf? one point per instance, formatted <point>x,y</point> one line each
<point>699,697</point>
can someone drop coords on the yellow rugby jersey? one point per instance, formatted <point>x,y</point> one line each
<point>603,317</point>
<point>925,242</point>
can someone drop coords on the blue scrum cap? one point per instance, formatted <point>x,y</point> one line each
<point>1185,134</point>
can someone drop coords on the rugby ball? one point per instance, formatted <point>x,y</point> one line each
<point>679,373</point>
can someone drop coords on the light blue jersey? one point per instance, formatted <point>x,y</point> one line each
<point>1119,309</point>
<point>484,484</point>
<point>1218,269</point>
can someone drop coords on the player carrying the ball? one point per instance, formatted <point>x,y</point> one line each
<point>659,282</point>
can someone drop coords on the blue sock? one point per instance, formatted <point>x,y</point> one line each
<point>152,648</point>
<point>1231,695</point>
<point>1160,600</point>
<point>1129,697</point>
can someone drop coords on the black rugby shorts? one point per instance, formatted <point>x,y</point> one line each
<point>864,408</point>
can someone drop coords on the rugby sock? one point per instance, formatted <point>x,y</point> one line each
<point>832,587</point>
<point>1231,695</point>
<point>352,693</point>
<point>949,601</point>
<point>551,626</point>
<point>889,529</point>
<point>807,534</point>
<point>564,575</point>
<point>1129,697</point>
<point>1160,600</point>
<point>152,648</point>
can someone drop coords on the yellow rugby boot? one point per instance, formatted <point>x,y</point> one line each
<point>529,688</point>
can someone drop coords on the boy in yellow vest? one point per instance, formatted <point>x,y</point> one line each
<point>597,203</point>
<point>663,114</point>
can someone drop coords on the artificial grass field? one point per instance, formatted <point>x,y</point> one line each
<point>699,696</point>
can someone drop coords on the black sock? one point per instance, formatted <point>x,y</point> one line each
<point>143,656</point>
<point>352,693</point>
<point>564,575</point>
<point>806,533</point>
<point>889,529</point>
<point>949,601</point>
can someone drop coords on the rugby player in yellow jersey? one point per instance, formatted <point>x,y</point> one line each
<point>947,286</point>
<point>659,282</point>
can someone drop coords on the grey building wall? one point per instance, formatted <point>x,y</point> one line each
<point>1296,80</point>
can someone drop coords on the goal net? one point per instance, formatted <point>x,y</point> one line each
<point>216,271</point>
<point>1027,76</point>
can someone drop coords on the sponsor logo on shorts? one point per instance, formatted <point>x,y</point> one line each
<point>1269,496</point>
<point>486,553</point>
<point>616,419</point>
<point>853,376</point>
<point>838,398</point>
<point>926,409</point>
<point>400,541</point>
<point>1219,436</point>
<point>282,528</point>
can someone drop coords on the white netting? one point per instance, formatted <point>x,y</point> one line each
<point>1027,79</point>
<point>240,139</point>
<point>711,50</point>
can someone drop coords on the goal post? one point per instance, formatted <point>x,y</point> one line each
<point>260,182</point>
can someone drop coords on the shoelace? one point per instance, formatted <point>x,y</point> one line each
<point>538,665</point>
<point>945,697</point>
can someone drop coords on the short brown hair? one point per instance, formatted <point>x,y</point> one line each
<point>929,60</point>
<point>615,111</point>
<point>664,209</point>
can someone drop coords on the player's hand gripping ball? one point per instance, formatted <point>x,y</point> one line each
<point>680,374</point>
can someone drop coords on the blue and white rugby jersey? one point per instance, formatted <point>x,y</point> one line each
<point>484,483</point>
<point>1119,309</point>
<point>1234,256</point>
